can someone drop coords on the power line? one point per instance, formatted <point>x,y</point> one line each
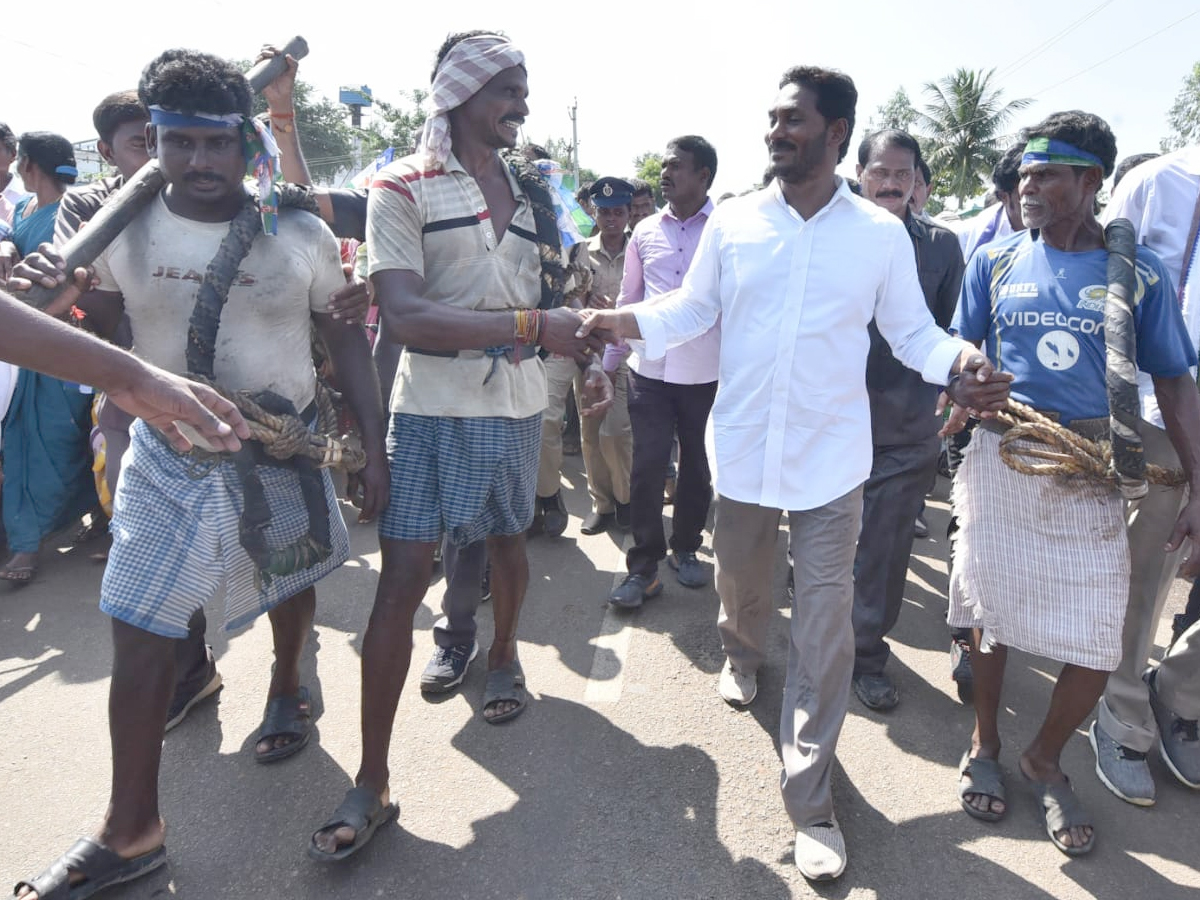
<point>1118,53</point>
<point>1041,48</point>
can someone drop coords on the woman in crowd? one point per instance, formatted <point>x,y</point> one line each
<point>47,466</point>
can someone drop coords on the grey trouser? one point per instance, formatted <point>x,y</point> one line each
<point>1124,710</point>
<point>607,446</point>
<point>464,572</point>
<point>821,656</point>
<point>892,499</point>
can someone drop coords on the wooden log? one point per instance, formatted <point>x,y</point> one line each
<point>136,194</point>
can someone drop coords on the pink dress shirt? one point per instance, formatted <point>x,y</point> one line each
<point>656,259</point>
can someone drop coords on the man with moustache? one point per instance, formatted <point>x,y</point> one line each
<point>1043,564</point>
<point>465,260</point>
<point>904,421</point>
<point>178,523</point>
<point>672,395</point>
<point>641,206</point>
<point>784,270</point>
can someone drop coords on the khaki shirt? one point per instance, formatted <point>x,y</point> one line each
<point>606,270</point>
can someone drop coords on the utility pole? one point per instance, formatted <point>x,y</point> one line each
<point>572,112</point>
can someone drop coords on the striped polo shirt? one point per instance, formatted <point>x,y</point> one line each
<point>436,223</point>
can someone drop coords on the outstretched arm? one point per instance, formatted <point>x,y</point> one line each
<point>33,340</point>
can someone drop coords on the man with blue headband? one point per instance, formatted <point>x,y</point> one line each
<point>1042,563</point>
<point>216,284</point>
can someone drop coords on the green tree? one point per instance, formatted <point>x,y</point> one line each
<point>397,125</point>
<point>648,167</point>
<point>1184,115</point>
<point>325,136</point>
<point>965,130</point>
<point>897,112</point>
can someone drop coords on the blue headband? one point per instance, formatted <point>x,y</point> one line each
<point>173,119</point>
<point>1046,150</point>
<point>66,170</point>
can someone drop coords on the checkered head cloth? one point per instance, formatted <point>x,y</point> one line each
<point>470,64</point>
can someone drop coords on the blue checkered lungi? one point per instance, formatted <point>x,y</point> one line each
<point>175,538</point>
<point>465,477</point>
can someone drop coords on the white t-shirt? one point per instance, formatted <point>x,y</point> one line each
<point>158,263</point>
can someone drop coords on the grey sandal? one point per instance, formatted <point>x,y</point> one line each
<point>1061,810</point>
<point>503,685</point>
<point>984,778</point>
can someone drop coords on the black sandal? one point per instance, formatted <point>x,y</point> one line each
<point>100,867</point>
<point>285,716</point>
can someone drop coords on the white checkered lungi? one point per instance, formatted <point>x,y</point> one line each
<point>1041,563</point>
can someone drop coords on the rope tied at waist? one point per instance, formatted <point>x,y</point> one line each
<point>1067,452</point>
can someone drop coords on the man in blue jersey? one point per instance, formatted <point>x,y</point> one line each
<point>1042,564</point>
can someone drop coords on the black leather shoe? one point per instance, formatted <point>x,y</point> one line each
<point>596,522</point>
<point>554,514</point>
<point>630,593</point>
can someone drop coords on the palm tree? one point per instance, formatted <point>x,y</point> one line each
<point>965,130</point>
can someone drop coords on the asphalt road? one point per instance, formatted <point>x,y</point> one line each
<point>627,777</point>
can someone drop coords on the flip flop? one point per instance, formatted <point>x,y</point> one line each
<point>1060,810</point>
<point>100,866</point>
<point>361,810</point>
<point>284,716</point>
<point>18,575</point>
<point>983,777</point>
<point>507,683</point>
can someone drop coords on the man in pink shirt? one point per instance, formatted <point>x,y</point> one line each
<point>673,394</point>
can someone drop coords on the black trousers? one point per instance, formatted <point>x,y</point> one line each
<point>892,500</point>
<point>657,412</point>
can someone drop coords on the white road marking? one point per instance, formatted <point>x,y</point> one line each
<point>606,680</point>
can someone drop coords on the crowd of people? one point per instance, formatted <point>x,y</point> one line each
<point>836,339</point>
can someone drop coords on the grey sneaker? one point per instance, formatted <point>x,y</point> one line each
<point>1121,769</point>
<point>448,668</point>
<point>876,691</point>
<point>688,570</point>
<point>630,593</point>
<point>1178,739</point>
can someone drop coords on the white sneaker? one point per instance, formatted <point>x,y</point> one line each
<point>736,688</point>
<point>821,852</point>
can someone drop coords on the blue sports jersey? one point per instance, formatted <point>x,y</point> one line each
<point>1041,312</point>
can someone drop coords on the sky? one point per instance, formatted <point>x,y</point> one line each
<point>641,74</point>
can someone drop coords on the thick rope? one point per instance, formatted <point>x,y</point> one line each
<point>284,436</point>
<point>1066,452</point>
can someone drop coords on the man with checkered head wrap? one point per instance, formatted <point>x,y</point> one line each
<point>464,256</point>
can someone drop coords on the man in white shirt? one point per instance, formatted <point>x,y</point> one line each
<point>785,270</point>
<point>1162,200</point>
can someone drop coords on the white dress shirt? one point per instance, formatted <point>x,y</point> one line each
<point>791,421</point>
<point>1159,197</point>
